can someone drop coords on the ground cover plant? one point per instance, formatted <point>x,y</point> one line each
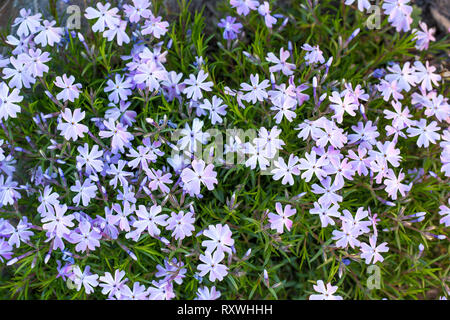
<point>279,150</point>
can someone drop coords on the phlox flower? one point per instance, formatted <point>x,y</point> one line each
<point>231,28</point>
<point>106,17</point>
<point>328,191</point>
<point>182,224</point>
<point>313,166</point>
<point>35,60</point>
<point>195,85</point>
<point>211,264</point>
<point>139,9</point>
<point>313,54</point>
<point>281,219</point>
<point>85,279</point>
<point>243,7</point>
<point>393,184</point>
<point>365,134</point>
<point>120,88</point>
<point>139,292</point>
<point>281,63</point>
<point>357,222</point>
<point>20,75</point>
<point>426,133</point>
<point>8,106</point>
<point>405,76</point>
<point>86,237</point>
<point>190,137</point>
<point>171,271</point>
<point>425,75</point>
<point>215,109</point>
<point>269,140</point>
<point>387,152</point>
<point>326,212</point>
<point>347,236</point>
<point>161,290</point>
<point>437,106</point>
<point>57,221</point>
<point>388,88</point>
<point>47,200</point>
<point>359,162</point>
<point>158,180</point>
<point>256,91</point>
<point>341,106</point>
<point>423,37</point>
<point>444,211</point>
<point>379,165</point>
<point>119,135</point>
<point>20,233</point>
<point>119,175</point>
<point>155,27</point>
<point>362,4</point>
<point>150,220</point>
<point>5,250</point>
<point>199,174</point>
<point>399,14</point>
<point>373,251</point>
<point>28,24</point>
<point>325,293</point>
<point>70,91</point>
<point>89,159</point>
<point>286,171</point>
<point>220,236</point>
<point>400,118</point>
<point>121,218</point>
<point>204,293</point>
<point>150,74</point>
<point>112,286</point>
<point>285,109</point>
<point>340,169</point>
<point>141,157</point>
<point>86,192</point>
<point>71,128</point>
<point>264,10</point>
<point>118,32</point>
<point>48,34</point>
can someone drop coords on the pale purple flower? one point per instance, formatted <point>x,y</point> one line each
<point>393,184</point>
<point>48,34</point>
<point>373,251</point>
<point>89,159</point>
<point>281,219</point>
<point>231,28</point>
<point>106,17</point>
<point>313,166</point>
<point>118,32</point>
<point>341,106</point>
<point>216,108</point>
<point>120,89</point>
<point>71,128</point>
<point>286,171</point>
<point>57,221</point>
<point>256,91</point>
<point>204,293</point>
<point>199,174</point>
<point>425,75</point>
<point>70,91</point>
<point>121,217</point>
<point>182,224</point>
<point>20,75</point>
<point>86,237</point>
<point>195,85</point>
<point>120,137</point>
<point>424,37</point>
<point>35,61</point>
<point>328,191</point>
<point>405,76</point>
<point>444,211</point>
<point>155,27</point>
<point>325,213</point>
<point>426,133</point>
<point>220,236</point>
<point>281,63</point>
<point>119,175</point>
<point>139,9</point>
<point>85,278</point>
<point>5,250</point>
<point>150,220</point>
<point>243,7</point>
<point>8,106</point>
<point>211,264</point>
<point>325,293</point>
<point>159,180</point>
<point>151,74</point>
<point>264,10</point>
<point>86,192</point>
<point>362,4</point>
<point>347,236</point>
<point>113,286</point>
<point>313,54</point>
<point>28,24</point>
